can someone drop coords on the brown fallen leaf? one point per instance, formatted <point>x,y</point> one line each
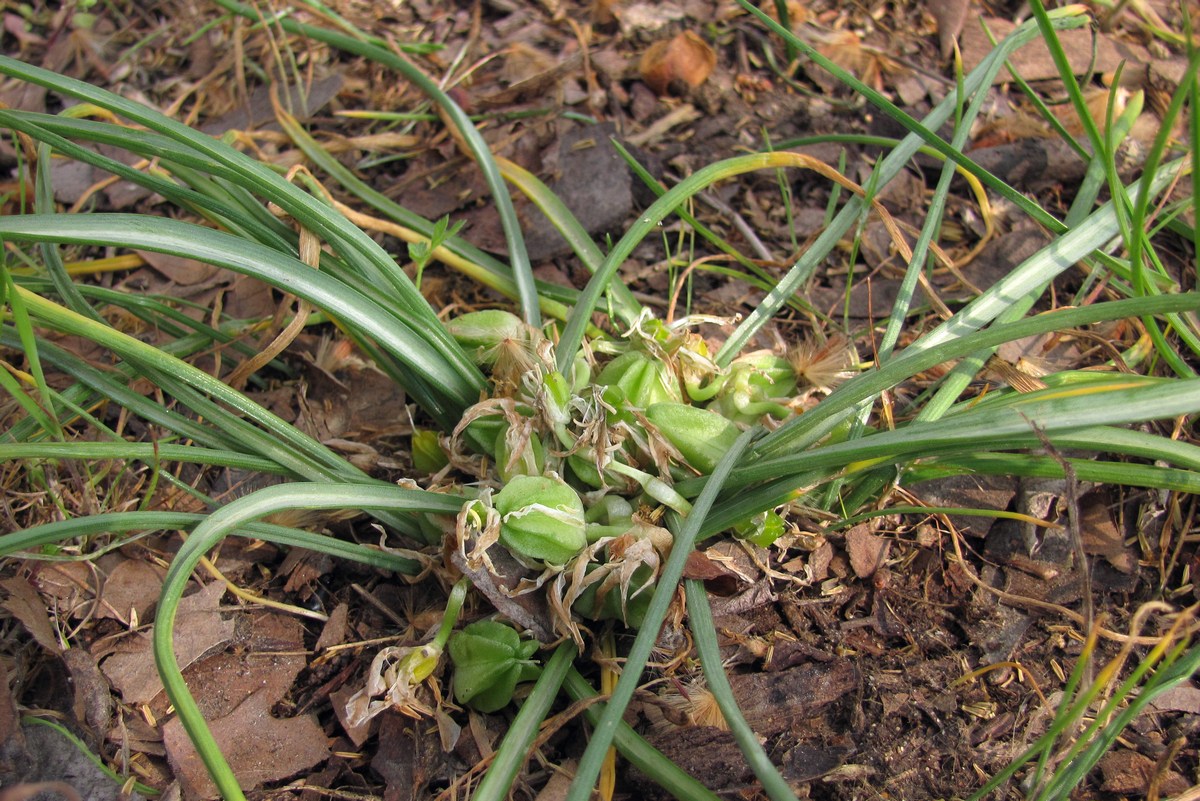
<point>23,602</point>
<point>334,632</point>
<point>851,53</point>
<point>259,748</point>
<point>1034,61</point>
<point>178,269</point>
<point>267,657</point>
<point>867,552</point>
<point>130,591</point>
<point>93,697</point>
<point>68,586</point>
<point>716,577</point>
<point>199,629</point>
<point>1129,773</point>
<point>1100,534</point>
<point>950,16</point>
<point>686,58</point>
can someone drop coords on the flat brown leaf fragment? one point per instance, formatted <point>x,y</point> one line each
<point>1101,537</point>
<point>199,629</point>
<point>23,602</point>
<point>1034,61</point>
<point>950,16</point>
<point>867,551</point>
<point>259,748</point>
<point>130,591</point>
<point>1130,773</point>
<point>686,58</point>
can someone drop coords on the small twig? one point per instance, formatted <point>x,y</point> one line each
<point>739,223</point>
<point>1072,496</point>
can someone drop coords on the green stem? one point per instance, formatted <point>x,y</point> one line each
<point>207,535</point>
<point>656,613</point>
<point>514,749</point>
<point>522,271</point>
<point>645,757</point>
<point>705,635</point>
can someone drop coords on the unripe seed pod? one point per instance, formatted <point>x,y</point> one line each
<point>754,387</point>
<point>530,455</point>
<point>427,453</point>
<point>541,519</point>
<point>490,659</point>
<point>644,379</point>
<point>702,436</point>
<point>482,332</point>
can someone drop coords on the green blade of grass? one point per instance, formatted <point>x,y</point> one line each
<point>572,335</point>
<point>513,752</point>
<point>82,747</point>
<point>37,405</point>
<point>627,308</point>
<point>475,263</point>
<point>312,213</point>
<point>519,258</point>
<point>159,314</point>
<point>220,524</point>
<point>28,541</point>
<point>979,78</point>
<point>704,635</point>
<point>288,446</point>
<point>456,378</point>
<point>1050,411</point>
<point>1123,474</point>
<point>645,757</point>
<point>802,431</point>
<point>95,385</point>
<point>142,451</point>
<point>211,204</point>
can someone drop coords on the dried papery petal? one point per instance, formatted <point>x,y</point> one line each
<point>501,340</point>
<point>796,11</point>
<point>480,332</point>
<point>477,527</point>
<point>686,58</point>
<point>519,451</point>
<point>847,50</point>
<point>392,682</point>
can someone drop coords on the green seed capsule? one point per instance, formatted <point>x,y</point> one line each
<point>643,379</point>
<point>482,332</point>
<point>756,385</point>
<point>485,328</point>
<point>541,519</point>
<point>427,453</point>
<point>762,529</point>
<point>702,436</point>
<point>490,659</point>
<point>520,455</point>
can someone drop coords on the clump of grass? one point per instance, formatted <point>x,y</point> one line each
<point>583,463</point>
